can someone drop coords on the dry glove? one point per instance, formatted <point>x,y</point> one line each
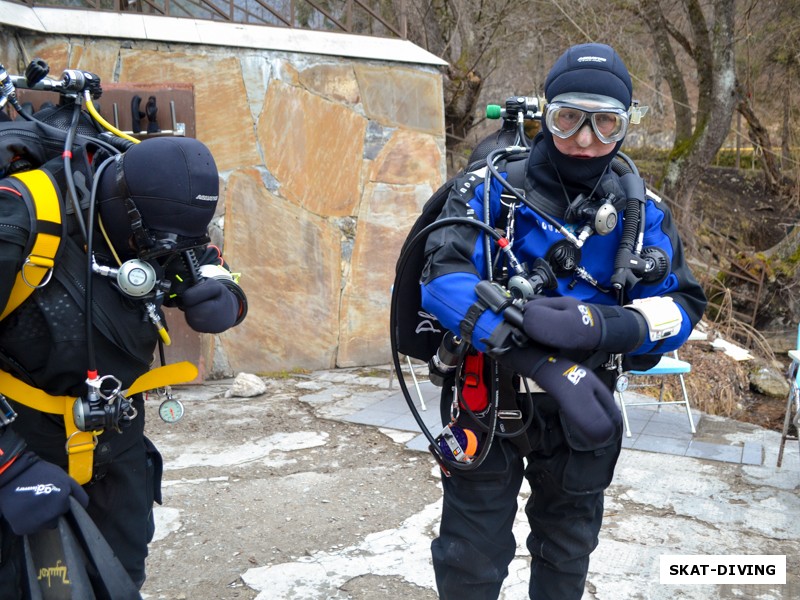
<point>210,307</point>
<point>34,493</point>
<point>569,324</point>
<point>585,402</point>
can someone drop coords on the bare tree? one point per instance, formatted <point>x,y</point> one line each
<point>469,35</point>
<point>704,35</point>
<point>759,136</point>
<point>767,68</point>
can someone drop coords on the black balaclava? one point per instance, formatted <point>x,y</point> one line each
<point>588,69</point>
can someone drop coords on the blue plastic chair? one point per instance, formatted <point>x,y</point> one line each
<point>792,416</point>
<point>668,365</point>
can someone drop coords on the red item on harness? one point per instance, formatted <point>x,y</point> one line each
<point>474,392</point>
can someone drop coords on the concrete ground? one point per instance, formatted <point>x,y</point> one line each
<point>320,488</point>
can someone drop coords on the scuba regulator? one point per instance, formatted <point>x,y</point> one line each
<point>102,409</point>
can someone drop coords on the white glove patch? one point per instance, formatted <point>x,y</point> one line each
<point>663,316</point>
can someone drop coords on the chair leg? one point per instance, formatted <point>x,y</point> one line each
<point>416,384</point>
<point>624,415</point>
<point>686,403</point>
<point>787,421</point>
<point>661,392</point>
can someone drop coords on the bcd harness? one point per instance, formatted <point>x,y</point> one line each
<point>47,228</point>
<point>418,334</point>
<point>41,196</point>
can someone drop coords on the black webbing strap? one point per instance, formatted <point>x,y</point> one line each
<point>467,325</point>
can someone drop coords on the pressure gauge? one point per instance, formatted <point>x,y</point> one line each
<point>136,278</point>
<point>171,410</point>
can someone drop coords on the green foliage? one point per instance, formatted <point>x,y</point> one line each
<point>783,268</point>
<point>645,154</point>
<point>652,160</point>
<point>726,157</point>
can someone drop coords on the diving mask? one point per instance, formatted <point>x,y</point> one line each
<point>567,113</point>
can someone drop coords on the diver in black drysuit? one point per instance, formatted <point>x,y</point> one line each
<point>154,203</point>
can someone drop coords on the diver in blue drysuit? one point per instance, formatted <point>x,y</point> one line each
<point>578,326</point>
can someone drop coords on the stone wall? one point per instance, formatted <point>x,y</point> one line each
<point>325,161</point>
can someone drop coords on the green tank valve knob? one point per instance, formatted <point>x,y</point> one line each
<point>493,111</point>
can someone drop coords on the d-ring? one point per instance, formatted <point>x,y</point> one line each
<point>94,441</point>
<point>45,279</point>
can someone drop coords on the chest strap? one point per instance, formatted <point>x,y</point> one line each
<point>80,444</point>
<point>46,231</point>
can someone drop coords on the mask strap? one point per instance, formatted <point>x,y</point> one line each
<point>140,236</point>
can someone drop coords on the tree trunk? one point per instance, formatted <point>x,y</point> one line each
<point>760,137</point>
<point>650,13</point>
<point>712,51</point>
<point>461,93</point>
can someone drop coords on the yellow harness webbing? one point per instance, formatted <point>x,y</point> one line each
<point>39,263</point>
<point>80,444</point>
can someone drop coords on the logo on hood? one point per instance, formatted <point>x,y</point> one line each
<point>599,59</point>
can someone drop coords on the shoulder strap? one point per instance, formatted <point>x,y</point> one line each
<point>516,170</point>
<point>515,175</point>
<point>41,195</point>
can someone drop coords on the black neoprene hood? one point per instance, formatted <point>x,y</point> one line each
<point>173,183</point>
<point>590,69</point>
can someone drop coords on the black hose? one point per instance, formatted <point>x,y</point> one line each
<point>51,129</point>
<point>633,227</point>
<point>67,156</point>
<point>92,359</point>
<point>401,265</point>
<point>492,171</point>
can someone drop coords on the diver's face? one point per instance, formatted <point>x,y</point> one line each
<point>583,144</point>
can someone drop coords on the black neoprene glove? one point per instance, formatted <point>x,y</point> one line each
<point>569,324</point>
<point>586,403</point>
<point>210,307</point>
<point>34,493</point>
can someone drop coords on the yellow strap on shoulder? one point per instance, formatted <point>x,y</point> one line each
<point>80,444</point>
<point>39,263</point>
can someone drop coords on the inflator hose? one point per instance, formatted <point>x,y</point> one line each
<point>633,227</point>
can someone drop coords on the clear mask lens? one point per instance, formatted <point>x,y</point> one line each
<point>564,120</point>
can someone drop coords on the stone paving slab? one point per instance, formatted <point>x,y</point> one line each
<point>665,431</point>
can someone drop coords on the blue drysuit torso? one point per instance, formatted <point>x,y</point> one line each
<point>456,262</point>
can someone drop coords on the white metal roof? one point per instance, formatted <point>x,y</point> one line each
<point>61,21</point>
